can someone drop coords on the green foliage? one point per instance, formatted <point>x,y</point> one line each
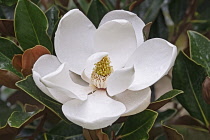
<point>6,112</point>
<point>8,2</point>
<point>192,133</point>
<point>66,130</point>
<point>8,48</point>
<point>202,22</point>
<point>35,23</point>
<point>138,126</point>
<point>53,17</point>
<point>7,51</point>
<point>6,65</point>
<point>159,28</point>
<point>172,133</point>
<point>165,98</point>
<point>165,115</point>
<point>148,10</point>
<point>188,76</point>
<point>19,118</point>
<point>96,11</point>
<point>200,49</point>
<point>177,10</point>
<point>31,25</point>
<point>30,88</point>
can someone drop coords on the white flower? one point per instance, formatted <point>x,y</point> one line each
<point>102,74</point>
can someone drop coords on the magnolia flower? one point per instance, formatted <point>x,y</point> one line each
<point>102,74</point>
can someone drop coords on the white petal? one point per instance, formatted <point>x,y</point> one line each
<point>98,111</point>
<point>44,65</point>
<point>78,79</point>
<point>62,95</point>
<point>136,22</point>
<point>162,86</point>
<point>152,60</point>
<point>74,40</point>
<point>120,80</point>
<point>134,101</point>
<point>84,77</point>
<point>117,37</point>
<point>96,57</point>
<point>40,85</point>
<point>60,82</point>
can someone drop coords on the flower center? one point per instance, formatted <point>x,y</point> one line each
<point>101,72</point>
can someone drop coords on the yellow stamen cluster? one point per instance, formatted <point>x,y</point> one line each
<point>103,67</point>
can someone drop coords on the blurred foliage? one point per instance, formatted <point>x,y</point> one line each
<point>30,114</point>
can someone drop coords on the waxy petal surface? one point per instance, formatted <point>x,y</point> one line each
<point>136,22</point>
<point>98,111</point>
<point>60,82</point>
<point>134,101</point>
<point>117,37</point>
<point>74,40</point>
<point>152,60</point>
<point>120,80</point>
<point>43,66</point>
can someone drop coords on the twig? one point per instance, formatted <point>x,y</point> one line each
<point>38,129</point>
<point>40,126</point>
<point>118,4</point>
<point>135,4</point>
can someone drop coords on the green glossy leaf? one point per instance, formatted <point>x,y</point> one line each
<point>6,112</point>
<point>148,10</point>
<point>188,76</point>
<point>35,1</point>
<point>109,4</point>
<point>31,25</point>
<point>9,48</point>
<point>19,118</point>
<point>5,64</point>
<point>96,12</point>
<point>192,133</point>
<point>138,126</point>
<point>7,51</point>
<point>169,95</point>
<point>64,129</point>
<point>200,49</point>
<point>159,28</point>
<point>113,128</point>
<point>177,9</point>
<point>172,133</point>
<point>8,2</point>
<point>30,88</point>
<point>53,16</point>
<point>165,98</point>
<point>165,115</point>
